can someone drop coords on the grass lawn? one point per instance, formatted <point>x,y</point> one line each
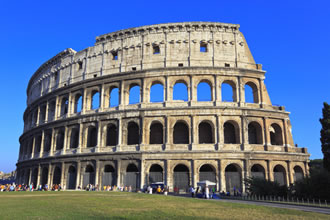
<point>121,205</point>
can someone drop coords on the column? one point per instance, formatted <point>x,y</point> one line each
<point>121,94</point>
<point>57,108</point>
<point>285,134</point>
<point>120,132</point>
<point>78,174</point>
<point>289,174</point>
<point>97,173</point>
<point>42,143</point>
<point>190,89</point>
<point>69,104</point>
<point>46,112</point>
<point>119,172</point>
<point>246,166</point>
<point>80,145</point>
<point>39,174</point>
<point>266,133</point>
<point>49,179</point>
<point>222,176</point>
<point>194,131</point>
<point>270,175</point>
<point>63,182</point>
<point>142,174</point>
<point>65,144</point>
<point>240,93</point>
<point>84,102</point>
<point>99,137</point>
<point>102,95</point>
<point>33,146</point>
<point>193,174</point>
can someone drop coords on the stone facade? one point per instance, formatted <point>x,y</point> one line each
<point>69,140</point>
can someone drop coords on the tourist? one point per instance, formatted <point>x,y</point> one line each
<point>192,191</point>
<point>207,192</point>
<point>159,190</point>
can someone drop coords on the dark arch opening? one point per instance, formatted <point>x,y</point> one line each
<point>109,176</point>
<point>180,92</point>
<point>157,93</point>
<point>92,136</point>
<point>57,176</point>
<point>233,179</point>
<point>38,144</point>
<point>181,133</point>
<point>112,135</point>
<point>181,177</point>
<point>74,139</point>
<point>276,134</point>
<point>89,176</point>
<point>255,133</point>
<point>204,92</point>
<point>47,141</point>
<point>60,140</point>
<point>230,133</point>
<point>155,173</point>
<point>44,176</point>
<point>156,133</point>
<point>132,176</point>
<point>257,171</point>
<point>34,177</point>
<point>71,181</point>
<point>64,106</point>
<point>280,175</point>
<point>207,172</point>
<point>133,136</point>
<point>205,133</point>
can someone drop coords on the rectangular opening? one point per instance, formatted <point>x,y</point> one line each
<point>80,63</point>
<point>95,75</point>
<point>203,47</point>
<point>156,49</point>
<point>227,65</point>
<point>114,55</point>
<point>133,68</point>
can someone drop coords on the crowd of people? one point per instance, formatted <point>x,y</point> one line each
<point>28,187</point>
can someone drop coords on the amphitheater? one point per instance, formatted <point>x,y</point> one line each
<point>129,111</point>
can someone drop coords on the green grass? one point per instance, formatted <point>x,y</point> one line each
<point>120,205</point>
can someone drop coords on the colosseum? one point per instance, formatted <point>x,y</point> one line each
<point>176,103</point>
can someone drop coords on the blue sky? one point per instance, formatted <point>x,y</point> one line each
<point>290,38</point>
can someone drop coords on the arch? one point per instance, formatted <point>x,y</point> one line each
<point>205,133</point>
<point>133,136</point>
<point>180,133</point>
<point>207,172</point>
<point>255,133</point>
<point>156,133</point>
<point>57,175</point>
<point>157,92</point>
<point>74,138</point>
<point>276,134</point>
<point>72,176</point>
<point>112,135</point>
<point>230,130</point>
<point>181,177</point>
<point>132,176</point>
<point>204,92</point>
<point>64,106</point>
<point>114,97</point>
<point>92,136</point>
<point>109,176</point>
<point>44,176</point>
<point>95,101</point>
<point>298,174</point>
<point>228,91</point>
<point>34,178</point>
<point>47,141</point>
<point>89,175</point>
<point>257,171</point>
<point>134,94</point>
<point>233,178</point>
<point>155,174</point>
<point>78,103</point>
<point>51,110</point>
<point>180,91</point>
<point>60,139</point>
<point>251,93</point>
<point>280,175</point>
<point>27,176</point>
<point>38,144</point>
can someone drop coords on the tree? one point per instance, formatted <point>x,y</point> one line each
<point>325,135</point>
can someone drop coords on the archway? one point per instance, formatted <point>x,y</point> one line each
<point>156,133</point>
<point>57,176</point>
<point>92,137</point>
<point>276,134</point>
<point>254,132</point>
<point>71,179</point>
<point>44,176</point>
<point>257,171</point>
<point>180,133</point>
<point>109,176</point>
<point>230,133</point>
<point>233,179</point>
<point>298,174</point>
<point>181,177</point>
<point>132,176</point>
<point>205,133</point>
<point>155,173</point>
<point>89,176</point>
<point>112,134</point>
<point>133,136</point>
<point>280,175</point>
<point>207,172</point>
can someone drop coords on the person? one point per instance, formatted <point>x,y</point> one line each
<point>192,191</point>
<point>150,190</point>
<point>207,192</point>
<point>159,190</point>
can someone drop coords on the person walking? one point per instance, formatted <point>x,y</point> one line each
<point>207,192</point>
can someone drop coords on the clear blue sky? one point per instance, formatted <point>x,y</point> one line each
<point>290,38</point>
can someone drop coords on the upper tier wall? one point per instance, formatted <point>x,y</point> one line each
<point>147,47</point>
